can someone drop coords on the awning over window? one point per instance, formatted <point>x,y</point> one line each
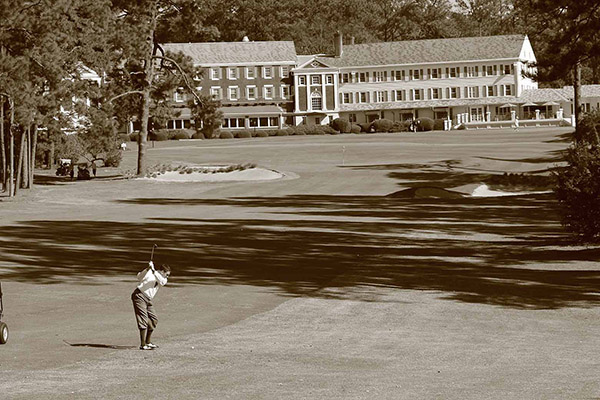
<point>252,111</point>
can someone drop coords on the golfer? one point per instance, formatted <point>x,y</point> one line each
<point>150,280</point>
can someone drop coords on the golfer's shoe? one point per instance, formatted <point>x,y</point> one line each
<point>146,347</point>
<point>152,345</point>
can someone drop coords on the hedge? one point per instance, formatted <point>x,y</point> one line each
<point>243,134</point>
<point>262,134</point>
<point>341,125</point>
<point>225,135</point>
<point>401,126</point>
<point>181,136</point>
<point>355,128</point>
<point>159,136</point>
<point>382,125</point>
<point>424,124</point>
<point>198,135</point>
<point>438,125</point>
<point>366,127</point>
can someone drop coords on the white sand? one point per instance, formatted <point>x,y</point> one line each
<point>484,191</point>
<point>251,174</point>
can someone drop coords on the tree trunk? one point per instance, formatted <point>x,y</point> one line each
<point>3,145</point>
<point>25,161</point>
<point>51,156</point>
<point>11,164</point>
<point>33,150</point>
<point>20,162</point>
<point>148,78</point>
<point>577,96</point>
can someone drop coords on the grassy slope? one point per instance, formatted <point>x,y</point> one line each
<point>314,286</point>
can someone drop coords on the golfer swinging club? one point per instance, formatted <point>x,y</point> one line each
<point>150,281</point>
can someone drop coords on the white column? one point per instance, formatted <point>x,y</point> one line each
<point>296,97</point>
<point>517,69</point>
<point>336,99</point>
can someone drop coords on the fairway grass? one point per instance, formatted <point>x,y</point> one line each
<point>317,287</point>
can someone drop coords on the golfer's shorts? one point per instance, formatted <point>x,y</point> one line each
<point>144,311</point>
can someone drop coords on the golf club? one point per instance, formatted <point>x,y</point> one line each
<point>154,246</point>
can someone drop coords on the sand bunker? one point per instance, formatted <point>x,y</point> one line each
<point>484,191</point>
<point>214,174</point>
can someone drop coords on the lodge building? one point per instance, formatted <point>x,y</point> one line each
<point>462,80</point>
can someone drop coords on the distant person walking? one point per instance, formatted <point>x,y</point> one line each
<point>149,281</point>
<point>516,124</point>
<point>94,168</point>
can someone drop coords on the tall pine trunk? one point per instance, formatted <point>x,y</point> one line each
<point>20,162</point>
<point>3,145</point>
<point>11,163</point>
<point>148,78</point>
<point>577,96</point>
<point>32,158</point>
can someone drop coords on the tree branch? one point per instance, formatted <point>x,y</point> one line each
<point>125,94</point>
<point>184,76</point>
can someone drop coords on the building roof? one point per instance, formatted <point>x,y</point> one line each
<point>429,51</point>
<point>240,53</point>
<point>409,105</point>
<point>543,95</point>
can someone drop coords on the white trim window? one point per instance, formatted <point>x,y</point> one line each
<point>251,92</point>
<point>285,71</point>
<point>380,76</point>
<point>216,93</point>
<point>508,90</point>
<point>380,96</point>
<point>233,123</point>
<point>434,73</point>
<point>347,98</point>
<point>285,92</point>
<point>490,91</point>
<point>316,101</point>
<point>363,97</point>
<point>472,71</point>
<point>215,73</point>
<point>232,73</point>
<point>267,72</point>
<point>301,80</point>
<point>268,92</point>
<point>452,72</point>
<point>363,77</point>
<point>416,74</point>
<point>417,94</point>
<point>329,79</point>
<point>399,75</point>
<point>234,93</point>
<point>453,93</point>
<point>508,69</point>
<point>489,70</point>
<point>434,93</point>
<point>399,95</point>
<point>345,77</point>
<point>315,79</point>
<point>179,95</point>
<point>250,72</point>
<point>472,92</point>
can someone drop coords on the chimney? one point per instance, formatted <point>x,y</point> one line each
<point>351,39</point>
<point>338,44</point>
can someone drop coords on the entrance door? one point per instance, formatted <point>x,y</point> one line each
<point>477,114</point>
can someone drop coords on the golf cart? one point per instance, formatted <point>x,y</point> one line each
<point>3,327</point>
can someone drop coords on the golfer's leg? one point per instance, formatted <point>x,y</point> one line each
<point>152,322</point>
<point>141,315</point>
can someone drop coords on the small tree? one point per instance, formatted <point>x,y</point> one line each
<point>207,116</point>
<point>578,192</point>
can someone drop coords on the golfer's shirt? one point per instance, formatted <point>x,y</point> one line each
<point>150,282</point>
